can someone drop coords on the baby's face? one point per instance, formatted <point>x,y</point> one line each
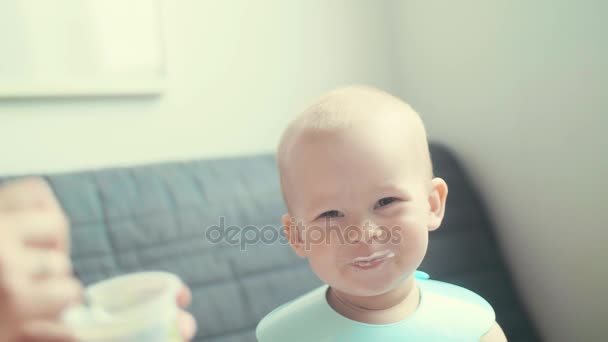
<point>357,193</point>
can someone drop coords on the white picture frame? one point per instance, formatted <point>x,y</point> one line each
<point>81,48</point>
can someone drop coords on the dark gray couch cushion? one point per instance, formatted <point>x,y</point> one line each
<point>157,217</point>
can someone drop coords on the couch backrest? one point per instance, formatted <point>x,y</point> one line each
<point>168,216</point>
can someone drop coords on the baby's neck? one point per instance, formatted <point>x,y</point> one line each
<point>391,307</point>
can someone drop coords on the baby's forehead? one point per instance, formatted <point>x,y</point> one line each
<point>387,133</point>
<point>361,154</point>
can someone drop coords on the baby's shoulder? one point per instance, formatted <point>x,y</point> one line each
<point>284,320</point>
<point>455,292</point>
<point>456,305</point>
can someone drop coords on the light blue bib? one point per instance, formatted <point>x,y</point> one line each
<point>446,313</point>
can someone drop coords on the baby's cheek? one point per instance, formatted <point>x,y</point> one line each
<point>401,231</point>
<point>410,238</point>
<point>318,260</point>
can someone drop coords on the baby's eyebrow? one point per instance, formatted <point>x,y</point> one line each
<point>318,207</point>
<point>394,189</point>
<point>319,203</point>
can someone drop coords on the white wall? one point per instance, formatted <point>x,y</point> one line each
<point>519,90</point>
<point>237,70</point>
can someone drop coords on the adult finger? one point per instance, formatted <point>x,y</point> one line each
<point>35,195</point>
<point>184,297</point>
<point>45,263</point>
<point>44,229</point>
<point>46,331</point>
<point>186,325</point>
<point>49,297</point>
<point>27,193</point>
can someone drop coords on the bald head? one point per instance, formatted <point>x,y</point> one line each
<point>345,107</point>
<point>354,110</point>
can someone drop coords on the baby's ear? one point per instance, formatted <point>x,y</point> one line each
<point>437,198</point>
<point>293,234</point>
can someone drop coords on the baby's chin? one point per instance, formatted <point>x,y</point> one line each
<point>365,286</point>
<point>364,290</point>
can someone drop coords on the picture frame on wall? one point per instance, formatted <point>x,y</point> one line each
<point>81,48</point>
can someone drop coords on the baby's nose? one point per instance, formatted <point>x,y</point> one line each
<point>371,231</point>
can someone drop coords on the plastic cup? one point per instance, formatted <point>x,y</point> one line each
<point>136,307</point>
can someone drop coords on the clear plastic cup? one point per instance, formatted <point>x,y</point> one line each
<point>136,307</point>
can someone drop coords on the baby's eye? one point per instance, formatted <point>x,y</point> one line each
<point>384,202</point>
<point>331,213</point>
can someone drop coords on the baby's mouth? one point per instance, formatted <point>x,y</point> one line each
<point>365,261</point>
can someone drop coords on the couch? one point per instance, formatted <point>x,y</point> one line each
<point>168,216</point>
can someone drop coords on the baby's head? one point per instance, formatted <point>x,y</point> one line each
<point>357,179</point>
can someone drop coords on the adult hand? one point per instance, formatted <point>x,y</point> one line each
<point>36,281</point>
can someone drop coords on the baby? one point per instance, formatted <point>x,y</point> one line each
<point>357,180</point>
